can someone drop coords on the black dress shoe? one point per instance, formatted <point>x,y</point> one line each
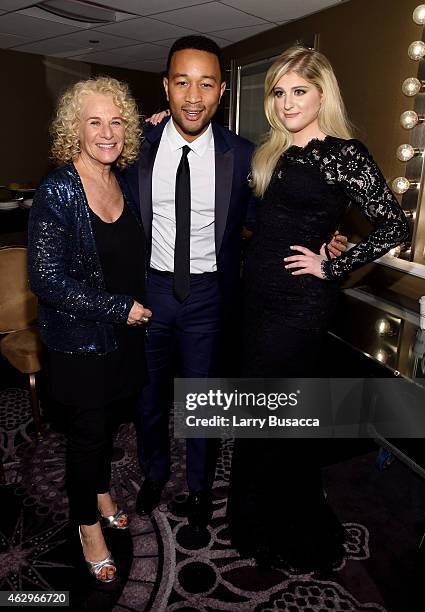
<point>200,509</point>
<point>148,497</point>
<point>197,507</point>
<point>179,506</point>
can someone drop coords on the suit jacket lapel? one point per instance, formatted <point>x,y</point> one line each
<point>147,158</point>
<point>224,160</point>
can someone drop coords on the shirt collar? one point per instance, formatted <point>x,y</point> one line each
<point>176,141</point>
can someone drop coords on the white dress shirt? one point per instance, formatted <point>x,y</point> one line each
<point>202,187</point>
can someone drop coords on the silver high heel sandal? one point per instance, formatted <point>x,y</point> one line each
<point>95,567</point>
<point>113,521</point>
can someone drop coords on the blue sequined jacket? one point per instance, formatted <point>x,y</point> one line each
<point>75,312</point>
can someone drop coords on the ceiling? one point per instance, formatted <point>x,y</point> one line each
<point>141,31</point>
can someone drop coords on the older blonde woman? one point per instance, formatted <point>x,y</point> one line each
<point>87,267</point>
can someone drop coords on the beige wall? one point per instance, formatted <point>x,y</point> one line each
<point>30,85</point>
<point>366,42</point>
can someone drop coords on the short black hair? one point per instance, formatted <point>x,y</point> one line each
<point>200,43</point>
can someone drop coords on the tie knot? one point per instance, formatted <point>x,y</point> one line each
<point>185,151</point>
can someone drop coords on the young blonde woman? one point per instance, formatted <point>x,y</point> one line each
<point>87,267</point>
<point>306,173</point>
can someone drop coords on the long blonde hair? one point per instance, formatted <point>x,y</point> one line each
<point>65,126</point>
<point>333,121</point>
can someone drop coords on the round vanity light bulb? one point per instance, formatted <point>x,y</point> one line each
<point>381,355</point>
<point>383,327</point>
<point>409,119</point>
<point>405,152</point>
<point>400,185</point>
<point>419,14</point>
<point>416,50</point>
<point>411,86</point>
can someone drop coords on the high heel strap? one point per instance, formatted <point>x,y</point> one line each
<point>113,520</point>
<point>95,567</point>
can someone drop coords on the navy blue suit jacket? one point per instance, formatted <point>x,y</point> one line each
<point>232,197</point>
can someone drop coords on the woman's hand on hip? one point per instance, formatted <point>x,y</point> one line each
<point>138,315</point>
<point>306,262</point>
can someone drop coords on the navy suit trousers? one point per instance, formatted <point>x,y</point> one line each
<point>186,334</point>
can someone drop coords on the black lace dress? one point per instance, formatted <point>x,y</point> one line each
<point>277,511</point>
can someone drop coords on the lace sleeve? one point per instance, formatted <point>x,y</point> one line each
<point>363,182</point>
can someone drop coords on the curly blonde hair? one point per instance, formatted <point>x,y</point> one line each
<point>65,126</point>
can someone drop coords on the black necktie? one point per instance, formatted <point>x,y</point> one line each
<point>182,244</point>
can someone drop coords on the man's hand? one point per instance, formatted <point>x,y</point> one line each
<point>336,247</point>
<point>158,117</point>
<point>246,233</point>
<point>138,315</point>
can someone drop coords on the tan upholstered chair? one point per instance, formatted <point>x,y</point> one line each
<point>20,343</point>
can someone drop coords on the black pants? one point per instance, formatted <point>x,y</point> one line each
<point>93,393</point>
<point>90,433</point>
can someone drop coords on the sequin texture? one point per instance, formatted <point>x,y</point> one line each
<point>75,312</point>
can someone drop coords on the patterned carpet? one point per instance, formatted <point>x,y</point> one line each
<point>164,567</point>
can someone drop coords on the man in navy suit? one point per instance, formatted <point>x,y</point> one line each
<point>188,324</point>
